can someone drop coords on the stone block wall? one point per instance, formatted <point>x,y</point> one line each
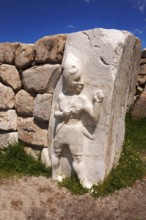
<point>28,76</point>
<point>139,107</point>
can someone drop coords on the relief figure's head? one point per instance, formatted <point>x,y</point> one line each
<point>72,81</point>
<point>72,78</point>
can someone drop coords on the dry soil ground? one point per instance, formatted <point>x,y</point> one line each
<point>38,198</point>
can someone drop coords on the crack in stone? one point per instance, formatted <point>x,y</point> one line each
<point>103,61</point>
<point>89,39</point>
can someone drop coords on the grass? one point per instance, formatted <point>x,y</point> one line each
<point>131,167</point>
<point>73,185</point>
<point>15,161</point>
<point>136,132</point>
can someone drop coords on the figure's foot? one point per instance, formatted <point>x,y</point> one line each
<point>58,178</point>
<point>86,184</point>
<point>54,178</point>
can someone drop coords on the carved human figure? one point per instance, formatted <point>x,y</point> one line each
<point>70,131</point>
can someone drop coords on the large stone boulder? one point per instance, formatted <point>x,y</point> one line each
<point>7,52</point>
<point>143,61</point>
<point>45,157</point>
<point>143,69</point>
<point>141,80</point>
<point>10,76</point>
<point>8,120</point>
<point>87,123</point>
<point>50,49</point>
<point>7,138</point>
<point>7,97</point>
<point>143,54</point>
<point>42,106</point>
<point>31,132</point>
<point>41,79</point>
<point>24,56</point>
<point>32,151</point>
<point>139,108</point>
<point>24,103</point>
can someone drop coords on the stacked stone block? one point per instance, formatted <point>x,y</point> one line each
<point>139,108</point>
<point>28,76</point>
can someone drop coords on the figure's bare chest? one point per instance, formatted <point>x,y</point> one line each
<point>70,102</point>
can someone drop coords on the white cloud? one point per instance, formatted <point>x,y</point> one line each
<point>137,31</point>
<point>70,26</point>
<point>89,1</point>
<point>140,4</point>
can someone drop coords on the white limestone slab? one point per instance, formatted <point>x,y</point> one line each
<point>100,72</point>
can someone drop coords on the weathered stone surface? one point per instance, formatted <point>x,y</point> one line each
<point>41,79</point>
<point>143,69</point>
<point>6,97</point>
<point>32,133</point>
<point>10,76</point>
<point>24,55</point>
<point>24,103</point>
<point>143,54</point>
<point>32,152</point>
<point>8,120</point>
<point>42,106</point>
<point>7,52</point>
<point>139,109</point>
<point>143,61</point>
<point>134,70</point>
<point>139,90</point>
<point>87,123</point>
<point>50,49</point>
<point>7,138</point>
<point>141,79</point>
<point>45,157</point>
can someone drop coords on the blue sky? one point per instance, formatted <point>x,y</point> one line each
<point>28,20</point>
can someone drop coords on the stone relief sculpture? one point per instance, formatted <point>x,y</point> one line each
<point>107,60</point>
<point>70,130</point>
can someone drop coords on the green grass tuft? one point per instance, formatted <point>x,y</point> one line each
<point>15,161</point>
<point>73,185</point>
<point>129,169</point>
<point>136,132</point>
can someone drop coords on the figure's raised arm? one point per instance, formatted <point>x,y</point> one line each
<point>93,108</point>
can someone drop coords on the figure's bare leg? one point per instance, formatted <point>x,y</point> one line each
<point>55,160</point>
<point>77,165</point>
<point>76,152</point>
<point>80,171</point>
